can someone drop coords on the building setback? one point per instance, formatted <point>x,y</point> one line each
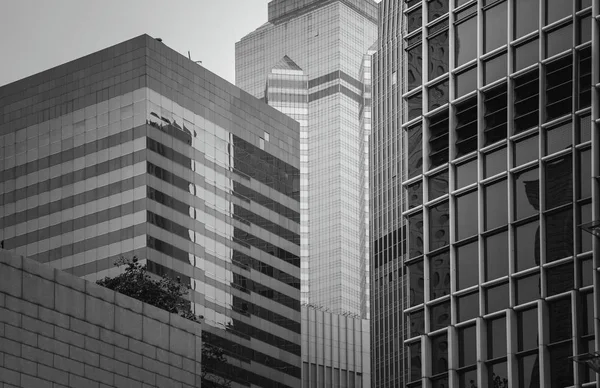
<point>500,159</point>
<point>136,150</point>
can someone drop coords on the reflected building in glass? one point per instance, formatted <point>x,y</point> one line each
<point>136,150</point>
<point>499,105</point>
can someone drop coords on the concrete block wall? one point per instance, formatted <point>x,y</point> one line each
<point>57,330</point>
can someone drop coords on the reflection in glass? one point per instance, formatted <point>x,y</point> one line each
<point>526,150</point>
<point>467,378</point>
<point>559,40</point>
<point>468,306</point>
<point>560,279</point>
<point>466,215</point>
<point>467,265</point>
<point>437,8</point>
<point>527,246</point>
<point>439,232</point>
<point>587,313</point>
<point>526,54</point>
<point>467,346</point>
<point>559,182</point>
<point>527,193</point>
<point>496,256</point>
<point>527,330</point>
<point>495,68</point>
<point>559,138</point>
<point>497,375</point>
<point>497,298</point>
<point>528,289</point>
<point>416,282</point>
<point>495,162</point>
<point>439,354</point>
<point>416,321</point>
<point>560,319</point>
<point>415,235</point>
<point>440,316</point>
<point>466,41</point>
<point>415,62</point>
<point>415,106</point>
<point>495,25</point>
<point>496,337</point>
<point>415,151</point>
<point>526,19</point>
<point>414,193</point>
<point>415,361</point>
<point>585,216</point>
<point>438,95</point>
<point>557,9</point>
<point>438,55</point>
<point>559,235</point>
<point>496,201</point>
<point>561,372</point>
<point>439,275</point>
<point>466,82</point>
<point>586,273</point>
<point>438,185</point>
<point>466,173</point>
<point>414,20</point>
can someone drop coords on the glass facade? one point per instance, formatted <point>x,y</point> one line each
<point>106,157</point>
<point>499,170</point>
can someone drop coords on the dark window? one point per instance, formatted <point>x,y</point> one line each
<point>466,41</point>
<point>415,105</point>
<point>559,40</point>
<point>439,276</point>
<point>584,31</point>
<point>416,282</point>
<point>495,115</point>
<point>467,378</point>
<point>527,246</point>
<point>467,346</point>
<point>559,138</point>
<point>438,185</point>
<point>559,235</point>
<point>495,25</point>
<point>440,316</point>
<point>495,68</point>
<point>466,215</point>
<point>497,298</point>
<point>415,152</point>
<point>467,265</point>
<point>496,336</point>
<point>560,320</point>
<point>527,193</point>
<point>416,323</point>
<point>414,193</point>
<point>498,374</point>
<point>527,329</point>
<point>496,200</point>
<point>528,289</point>
<point>439,232</point>
<point>585,129</point>
<point>526,54</point>
<point>585,78</point>
<point>560,279</point>
<point>496,256</point>
<point>438,55</point>
<point>439,354</point>
<point>561,372</point>
<point>437,8</point>
<point>438,139</point>
<point>468,306</point>
<point>526,150</point>
<point>559,182</point>
<point>559,81</point>
<point>415,63</point>
<point>415,361</point>
<point>466,126</point>
<point>495,162</point>
<point>414,20</point>
<point>585,174</point>
<point>526,16</point>
<point>415,235</point>
<point>438,95</point>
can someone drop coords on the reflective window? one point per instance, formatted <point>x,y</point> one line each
<point>584,33</point>
<point>495,162</point>
<point>415,235</point>
<point>498,374</point>
<point>587,314</point>
<point>495,68</point>
<point>526,114</point>
<point>467,378</point>
<point>439,232</point>
<point>496,203</point>
<point>559,138</point>
<point>559,40</point>
<point>585,217</point>
<point>560,279</point>
<point>496,256</point>
<point>438,95</point>
<point>414,20</point>
<point>414,193</point>
<point>467,346</point>
<point>466,126</point>
<point>438,55</point>
<point>466,215</point>
<point>415,152</point>
<point>559,182</point>
<point>439,275</point>
<point>466,82</point>
<point>495,114</point>
<point>527,246</point>
<point>496,336</point>
<point>495,25</point>
<point>438,185</point>
<point>416,282</point>
<point>437,8</point>
<point>439,354</point>
<point>468,306</point>
<point>415,361</point>
<point>585,128</point>
<point>561,372</point>
<point>440,316</point>
<point>466,41</point>
<point>415,63</point>
<point>415,106</point>
<point>559,235</point>
<point>557,9</point>
<point>527,193</point>
<point>497,298</point>
<point>528,289</point>
<point>526,19</point>
<point>526,150</point>
<point>560,316</point>
<point>585,77</point>
<point>467,265</point>
<point>527,330</point>
<point>586,275</point>
<point>438,139</point>
<point>416,323</point>
<point>466,173</point>
<point>526,54</point>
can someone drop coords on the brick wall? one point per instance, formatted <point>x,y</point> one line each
<point>57,330</point>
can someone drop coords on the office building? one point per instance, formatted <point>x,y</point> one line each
<point>136,150</point>
<point>306,61</point>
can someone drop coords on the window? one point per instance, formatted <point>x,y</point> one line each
<point>559,81</point>
<point>495,162</point>
<point>527,246</point>
<point>466,41</point>
<point>415,63</point>
<point>560,279</point>
<point>560,316</point>
<point>416,282</point>
<point>495,26</point>
<point>527,193</point>
<point>559,40</point>
<point>439,232</point>
<point>438,185</point>
<point>528,289</point>
<point>526,101</point>
<point>438,139</point>
<point>557,9</point>
<point>438,95</point>
<point>495,68</point>
<point>559,138</point>
<point>496,256</point>
<point>497,298</point>
<point>414,20</point>
<point>439,354</point>
<point>416,323</point>
<point>468,306</point>
<point>585,77</point>
<point>466,173</point>
<point>439,275</point>
<point>415,151</point>
<point>496,201</point>
<point>496,336</point>
<point>415,235</point>
<point>438,54</point>
<point>466,215</point>
<point>467,265</point>
<point>440,316</point>
<point>466,126</point>
<point>437,8</point>
<point>526,16</point>
<point>466,82</point>
<point>414,193</point>
<point>526,150</point>
<point>415,106</point>
<point>526,54</point>
<point>414,350</point>
<point>495,115</point>
<point>559,235</point>
<point>559,181</point>
<point>584,31</point>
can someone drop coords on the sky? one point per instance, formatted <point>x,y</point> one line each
<point>39,34</point>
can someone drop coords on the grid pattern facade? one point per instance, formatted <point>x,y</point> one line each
<point>327,40</point>
<point>135,150</point>
<point>500,123</point>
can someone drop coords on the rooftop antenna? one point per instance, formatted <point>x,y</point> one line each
<point>190,58</point>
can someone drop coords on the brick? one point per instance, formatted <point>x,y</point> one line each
<point>142,348</point>
<point>182,342</point>
<point>54,375</point>
<point>21,306</point>
<point>85,328</point>
<point>68,365</point>
<point>11,280</point>
<point>162,355</point>
<point>10,317</point>
<point>38,290</point>
<point>155,332</point>
<point>10,377</point>
<point>84,356</point>
<point>30,381</point>
<point>9,346</point>
<point>113,365</point>
<point>37,326</point>
<point>128,323</point>
<point>128,357</point>
<point>54,317</point>
<point>156,313</point>
<point>142,375</point>
<point>99,347</point>
<point>99,312</point>
<point>128,302</point>
<point>20,365</point>
<point>20,335</point>
<point>35,268</point>
<point>69,301</point>
<point>100,292</point>
<point>38,355</point>
<point>156,366</point>
<point>164,382</point>
<point>113,338</point>
<point>81,382</point>
<point>53,346</point>
<point>99,375</point>
<point>124,382</point>
<point>69,337</point>
<point>181,375</point>
<point>68,280</point>
<point>176,360</point>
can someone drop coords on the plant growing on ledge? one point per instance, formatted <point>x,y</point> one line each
<point>167,294</point>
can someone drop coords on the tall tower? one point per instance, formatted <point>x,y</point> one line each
<point>324,41</point>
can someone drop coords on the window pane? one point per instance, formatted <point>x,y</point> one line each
<point>416,323</point>
<point>587,313</point>
<point>415,63</point>
<point>559,235</point>
<point>529,371</point>
<point>439,271</point>
<point>527,330</point>
<point>439,354</point>
<point>438,185</point>
<point>526,150</point>
<point>526,54</point>
<point>467,265</point>
<point>496,335</point>
<point>495,68</point>
<point>414,193</point>
<point>559,182</point>
<point>414,20</point>
<point>438,95</point>
<point>415,106</point>
<point>496,256</point>
<point>466,82</point>
<point>439,232</point>
<point>416,282</point>
<point>587,273</point>
<point>415,235</point>
<point>437,8</point>
<point>467,378</point>
<point>559,40</point>
<point>496,205</point>
<point>440,316</point>
<point>415,151</point>
<point>467,346</point>
<point>527,246</point>
<point>585,174</point>
<point>468,306</point>
<point>559,138</point>
<point>585,238</point>
<point>466,215</point>
<point>466,126</point>
<point>560,320</point>
<point>527,193</point>
<point>466,174</point>
<point>557,9</point>
<point>497,298</point>
<point>561,372</point>
<point>498,375</point>
<point>560,279</point>
<point>438,55</point>
<point>415,360</point>
<point>495,24</point>
<point>526,16</point>
<point>528,289</point>
<point>466,41</point>
<point>495,162</point>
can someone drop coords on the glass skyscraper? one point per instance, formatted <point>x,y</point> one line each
<point>500,117</point>
<point>136,150</point>
<point>306,61</point>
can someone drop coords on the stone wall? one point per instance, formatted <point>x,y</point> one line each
<point>57,330</point>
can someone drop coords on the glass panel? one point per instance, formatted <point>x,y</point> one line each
<point>559,40</point>
<point>560,320</point>
<point>414,20</point>
<point>527,329</point>
<point>415,360</point>
<point>495,68</point>
<point>526,150</point>
<point>496,203</point>
<point>585,174</point>
<point>466,41</point>
<point>466,174</point>
<point>439,272</point>
<point>438,95</point>
<point>528,289</point>
<point>440,382</point>
<point>529,371</point>
<point>438,55</point>
<point>415,106</point>
<point>587,313</point>
<point>468,306</point>
<point>496,336</point>
<point>526,54</point>
<point>415,235</point>
<point>559,138</point>
<point>496,256</point>
<point>526,19</point>
<point>557,9</point>
<point>415,63</point>
<point>416,323</point>
<point>415,151</point>
<point>466,215</point>
<point>440,316</point>
<point>438,185</point>
<point>497,298</point>
<point>439,354</point>
<point>561,372</point>
<point>587,273</point>
<point>585,29</point>
<point>585,238</point>
<point>526,114</point>
<point>467,264</point>
<point>466,126</point>
<point>468,378</point>
<point>497,375</point>
<point>467,346</point>
<point>560,279</point>
<point>466,82</point>
<point>527,193</point>
<point>527,246</point>
<point>496,114</point>
<point>495,162</point>
<point>416,282</point>
<point>559,82</point>
<point>559,235</point>
<point>414,193</point>
<point>495,24</point>
<point>439,232</point>
<point>585,129</point>
<point>437,8</point>
<point>559,182</point>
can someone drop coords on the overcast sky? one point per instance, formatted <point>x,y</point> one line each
<point>36,35</point>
